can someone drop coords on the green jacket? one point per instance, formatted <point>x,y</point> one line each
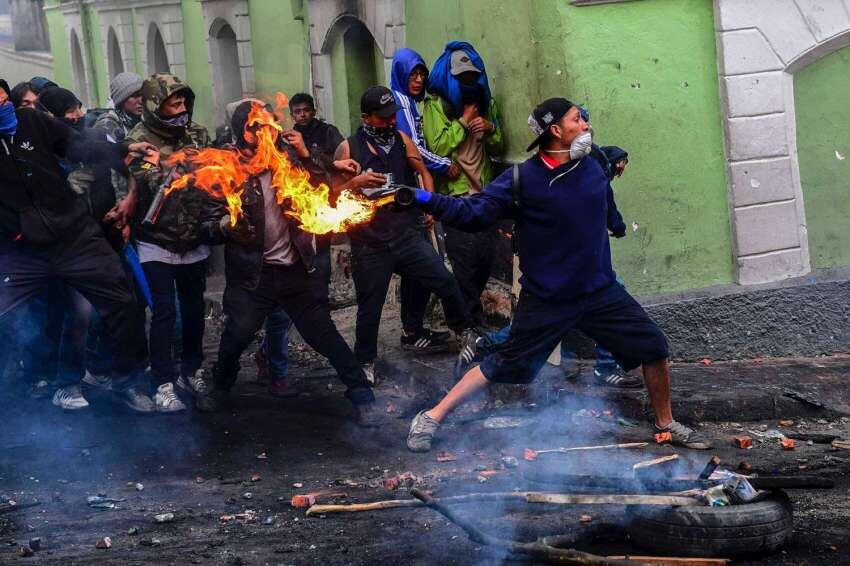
<point>178,227</point>
<point>443,136</point>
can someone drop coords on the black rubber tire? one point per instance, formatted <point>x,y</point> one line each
<point>738,530</point>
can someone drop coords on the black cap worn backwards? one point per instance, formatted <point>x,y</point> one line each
<point>544,115</point>
<point>378,100</point>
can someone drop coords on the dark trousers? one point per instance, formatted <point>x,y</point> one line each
<point>98,354</point>
<point>89,265</point>
<point>276,344</point>
<point>189,281</point>
<point>472,257</point>
<point>414,299</point>
<point>292,288</point>
<point>409,256</point>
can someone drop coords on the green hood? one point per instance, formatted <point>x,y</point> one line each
<point>154,92</point>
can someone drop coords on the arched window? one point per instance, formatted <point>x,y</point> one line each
<point>227,78</point>
<point>113,54</point>
<point>79,68</point>
<point>157,55</point>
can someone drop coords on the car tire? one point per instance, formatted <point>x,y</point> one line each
<point>737,530</point>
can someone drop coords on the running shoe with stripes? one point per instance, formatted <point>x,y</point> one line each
<point>617,378</point>
<point>424,342</point>
<point>70,398</point>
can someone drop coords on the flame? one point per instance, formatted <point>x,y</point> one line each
<point>223,174</point>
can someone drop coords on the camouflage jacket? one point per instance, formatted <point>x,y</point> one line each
<point>178,226</point>
<point>116,124</point>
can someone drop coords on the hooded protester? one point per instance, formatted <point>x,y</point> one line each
<point>461,122</point>
<point>170,250</point>
<point>268,263</point>
<point>408,79</point>
<point>63,105</point>
<point>41,83</point>
<point>46,232</point>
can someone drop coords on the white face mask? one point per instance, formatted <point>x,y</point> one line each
<point>580,146</point>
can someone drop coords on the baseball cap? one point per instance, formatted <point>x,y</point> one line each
<point>378,100</point>
<point>461,63</point>
<point>544,115</point>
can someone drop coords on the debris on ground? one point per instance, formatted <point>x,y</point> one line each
<point>786,423</point>
<point>103,502</point>
<point>256,477</point>
<point>391,408</point>
<point>787,443</point>
<point>104,543</point>
<point>308,499</point>
<point>744,467</point>
<point>132,531</point>
<point>510,462</point>
<point>35,544</point>
<point>506,422</point>
<point>262,456</point>
<point>841,444</point>
<point>446,457</point>
<point>249,516</point>
<point>404,480</point>
<point>742,442</point>
<point>247,495</point>
<point>529,454</point>
<point>585,519</point>
<point>25,551</point>
<point>164,518</point>
<point>664,437</point>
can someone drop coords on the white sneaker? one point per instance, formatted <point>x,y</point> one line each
<point>98,381</point>
<point>167,400</point>
<point>70,398</point>
<point>194,385</point>
<point>369,370</point>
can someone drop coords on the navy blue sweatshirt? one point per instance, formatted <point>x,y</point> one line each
<point>562,224</point>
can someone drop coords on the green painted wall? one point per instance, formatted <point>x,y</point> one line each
<point>823,144</point>
<point>340,87</point>
<point>280,48</point>
<point>647,71</point>
<point>98,74</point>
<point>197,63</point>
<point>59,44</point>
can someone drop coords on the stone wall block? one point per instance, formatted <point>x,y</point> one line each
<point>825,18</point>
<point>748,95</point>
<point>746,51</point>
<point>737,14</point>
<point>761,229</point>
<point>752,138</point>
<point>755,182</point>
<point>770,267</point>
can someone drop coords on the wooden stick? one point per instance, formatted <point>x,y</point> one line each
<point>672,561</point>
<point>527,496</point>
<point>535,549</point>
<point>613,499</point>
<point>650,466</point>
<point>602,447</point>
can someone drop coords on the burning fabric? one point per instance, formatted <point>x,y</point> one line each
<point>223,174</point>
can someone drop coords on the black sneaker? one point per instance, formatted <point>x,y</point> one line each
<point>468,350</point>
<point>369,415</point>
<point>423,343</point>
<point>616,377</point>
<point>438,335</point>
<point>211,402</point>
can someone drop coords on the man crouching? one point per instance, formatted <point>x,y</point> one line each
<point>268,260</point>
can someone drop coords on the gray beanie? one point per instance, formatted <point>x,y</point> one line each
<point>122,86</point>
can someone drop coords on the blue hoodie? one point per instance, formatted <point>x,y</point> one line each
<point>443,83</point>
<point>408,119</point>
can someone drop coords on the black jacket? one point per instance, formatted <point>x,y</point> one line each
<point>322,140</point>
<point>36,204</point>
<point>243,263</point>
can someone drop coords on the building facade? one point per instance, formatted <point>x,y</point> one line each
<point>732,111</point>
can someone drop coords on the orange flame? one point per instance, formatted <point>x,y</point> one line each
<point>223,173</point>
